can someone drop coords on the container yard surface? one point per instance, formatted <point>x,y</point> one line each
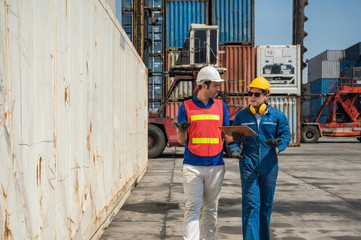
<point>317,196</point>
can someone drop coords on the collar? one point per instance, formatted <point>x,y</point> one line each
<point>199,103</point>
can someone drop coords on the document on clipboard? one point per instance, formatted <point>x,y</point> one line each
<point>248,132</point>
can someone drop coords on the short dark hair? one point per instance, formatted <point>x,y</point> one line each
<point>208,83</point>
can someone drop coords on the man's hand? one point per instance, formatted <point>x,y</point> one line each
<point>238,137</point>
<point>273,143</point>
<point>183,127</point>
<point>235,154</point>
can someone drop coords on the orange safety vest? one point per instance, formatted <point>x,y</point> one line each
<point>204,136</point>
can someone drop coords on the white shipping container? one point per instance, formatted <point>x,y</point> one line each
<point>323,69</point>
<point>73,118</point>
<point>281,66</point>
<point>328,55</point>
<point>291,108</point>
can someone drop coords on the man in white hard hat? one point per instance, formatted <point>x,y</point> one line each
<point>203,165</point>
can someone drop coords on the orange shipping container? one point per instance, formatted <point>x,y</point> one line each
<point>240,62</point>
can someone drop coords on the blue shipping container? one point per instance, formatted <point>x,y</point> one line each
<point>127,4</point>
<point>315,107</point>
<point>235,20</point>
<point>354,52</point>
<point>127,23</point>
<point>156,64</point>
<point>155,33</point>
<point>345,64</point>
<point>156,79</point>
<point>180,15</point>
<point>155,91</point>
<point>324,86</point>
<point>155,3</point>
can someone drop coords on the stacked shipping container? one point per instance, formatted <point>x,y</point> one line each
<point>324,71</point>
<point>235,20</point>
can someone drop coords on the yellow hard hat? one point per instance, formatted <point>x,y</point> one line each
<point>260,83</point>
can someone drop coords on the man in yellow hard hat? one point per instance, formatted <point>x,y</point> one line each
<point>258,162</point>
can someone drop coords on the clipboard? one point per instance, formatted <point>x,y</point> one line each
<point>248,132</point>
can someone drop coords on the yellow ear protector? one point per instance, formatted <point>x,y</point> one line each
<point>262,109</point>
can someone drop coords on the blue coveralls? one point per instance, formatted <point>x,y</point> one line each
<point>259,169</point>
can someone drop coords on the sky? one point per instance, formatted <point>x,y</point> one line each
<point>331,25</point>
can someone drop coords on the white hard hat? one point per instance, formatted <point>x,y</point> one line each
<point>208,73</point>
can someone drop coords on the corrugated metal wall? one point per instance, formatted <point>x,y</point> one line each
<point>323,69</point>
<point>291,108</point>
<point>235,20</point>
<point>73,118</point>
<point>240,62</point>
<point>180,15</point>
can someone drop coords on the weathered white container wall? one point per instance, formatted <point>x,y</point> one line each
<point>73,118</point>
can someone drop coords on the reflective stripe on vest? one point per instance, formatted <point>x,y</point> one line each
<point>204,136</point>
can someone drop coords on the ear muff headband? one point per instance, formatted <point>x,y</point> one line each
<point>262,109</point>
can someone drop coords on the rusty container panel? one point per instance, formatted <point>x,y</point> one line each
<point>240,62</point>
<point>184,88</point>
<point>69,118</point>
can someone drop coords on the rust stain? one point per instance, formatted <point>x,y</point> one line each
<point>96,43</point>
<point>51,170</point>
<point>94,159</point>
<point>5,116</point>
<point>67,95</point>
<point>95,85</point>
<point>87,67</point>
<point>85,196</point>
<point>38,172</point>
<point>88,138</point>
<point>51,185</point>
<point>7,231</point>
<point>54,140</point>
<point>66,8</point>
<point>76,185</point>
<point>4,192</point>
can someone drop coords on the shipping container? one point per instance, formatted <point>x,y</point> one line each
<point>306,107</point>
<point>127,4</point>
<point>346,64</point>
<point>281,66</point>
<point>73,100</point>
<point>288,105</point>
<point>315,106</point>
<point>354,52</point>
<point>155,33</point>
<point>157,4</point>
<point>184,88</point>
<point>291,108</point>
<point>235,20</point>
<point>156,64</point>
<point>127,23</point>
<point>240,62</point>
<point>324,86</point>
<point>328,55</point>
<point>323,69</point>
<point>180,15</point>
<point>155,91</point>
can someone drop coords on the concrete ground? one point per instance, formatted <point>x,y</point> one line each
<point>318,196</point>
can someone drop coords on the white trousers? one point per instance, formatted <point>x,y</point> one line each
<point>202,186</point>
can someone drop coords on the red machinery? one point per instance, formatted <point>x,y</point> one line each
<point>343,116</point>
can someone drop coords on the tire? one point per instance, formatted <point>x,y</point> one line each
<point>358,139</point>
<point>156,141</point>
<point>310,134</point>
